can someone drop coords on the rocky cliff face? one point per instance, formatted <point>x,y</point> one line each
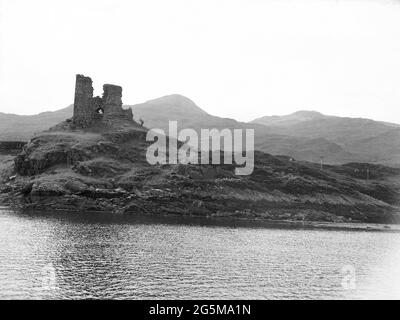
<point>11,147</point>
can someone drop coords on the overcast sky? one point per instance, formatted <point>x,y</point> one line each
<point>238,59</point>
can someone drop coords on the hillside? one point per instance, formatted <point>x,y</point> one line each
<point>156,114</point>
<point>304,135</point>
<point>21,128</point>
<point>291,119</point>
<point>104,169</point>
<point>360,139</point>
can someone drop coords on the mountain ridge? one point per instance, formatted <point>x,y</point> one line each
<point>312,114</point>
<point>304,135</point>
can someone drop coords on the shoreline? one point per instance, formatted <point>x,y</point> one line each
<point>206,221</point>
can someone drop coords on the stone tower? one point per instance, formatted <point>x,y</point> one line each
<point>89,110</point>
<point>83,113</point>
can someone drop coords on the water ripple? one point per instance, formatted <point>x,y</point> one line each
<point>70,257</point>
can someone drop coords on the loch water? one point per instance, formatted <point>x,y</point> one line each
<point>95,256</point>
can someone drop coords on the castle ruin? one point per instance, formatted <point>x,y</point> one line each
<point>89,110</point>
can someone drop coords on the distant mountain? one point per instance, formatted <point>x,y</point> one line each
<point>158,112</point>
<point>383,148</point>
<point>360,139</point>
<point>21,128</point>
<point>311,124</point>
<point>303,135</point>
<point>291,119</point>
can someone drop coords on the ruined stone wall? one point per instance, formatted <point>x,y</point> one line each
<point>112,100</point>
<point>83,107</point>
<point>89,110</point>
<point>98,109</point>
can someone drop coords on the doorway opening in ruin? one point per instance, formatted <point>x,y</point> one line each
<point>99,111</point>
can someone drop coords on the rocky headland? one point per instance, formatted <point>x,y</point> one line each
<point>104,168</point>
<point>96,161</point>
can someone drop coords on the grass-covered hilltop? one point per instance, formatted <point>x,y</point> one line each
<point>96,161</point>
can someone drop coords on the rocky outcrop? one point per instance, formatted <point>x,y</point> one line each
<point>103,168</point>
<point>61,148</point>
<point>11,147</point>
<point>47,151</point>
